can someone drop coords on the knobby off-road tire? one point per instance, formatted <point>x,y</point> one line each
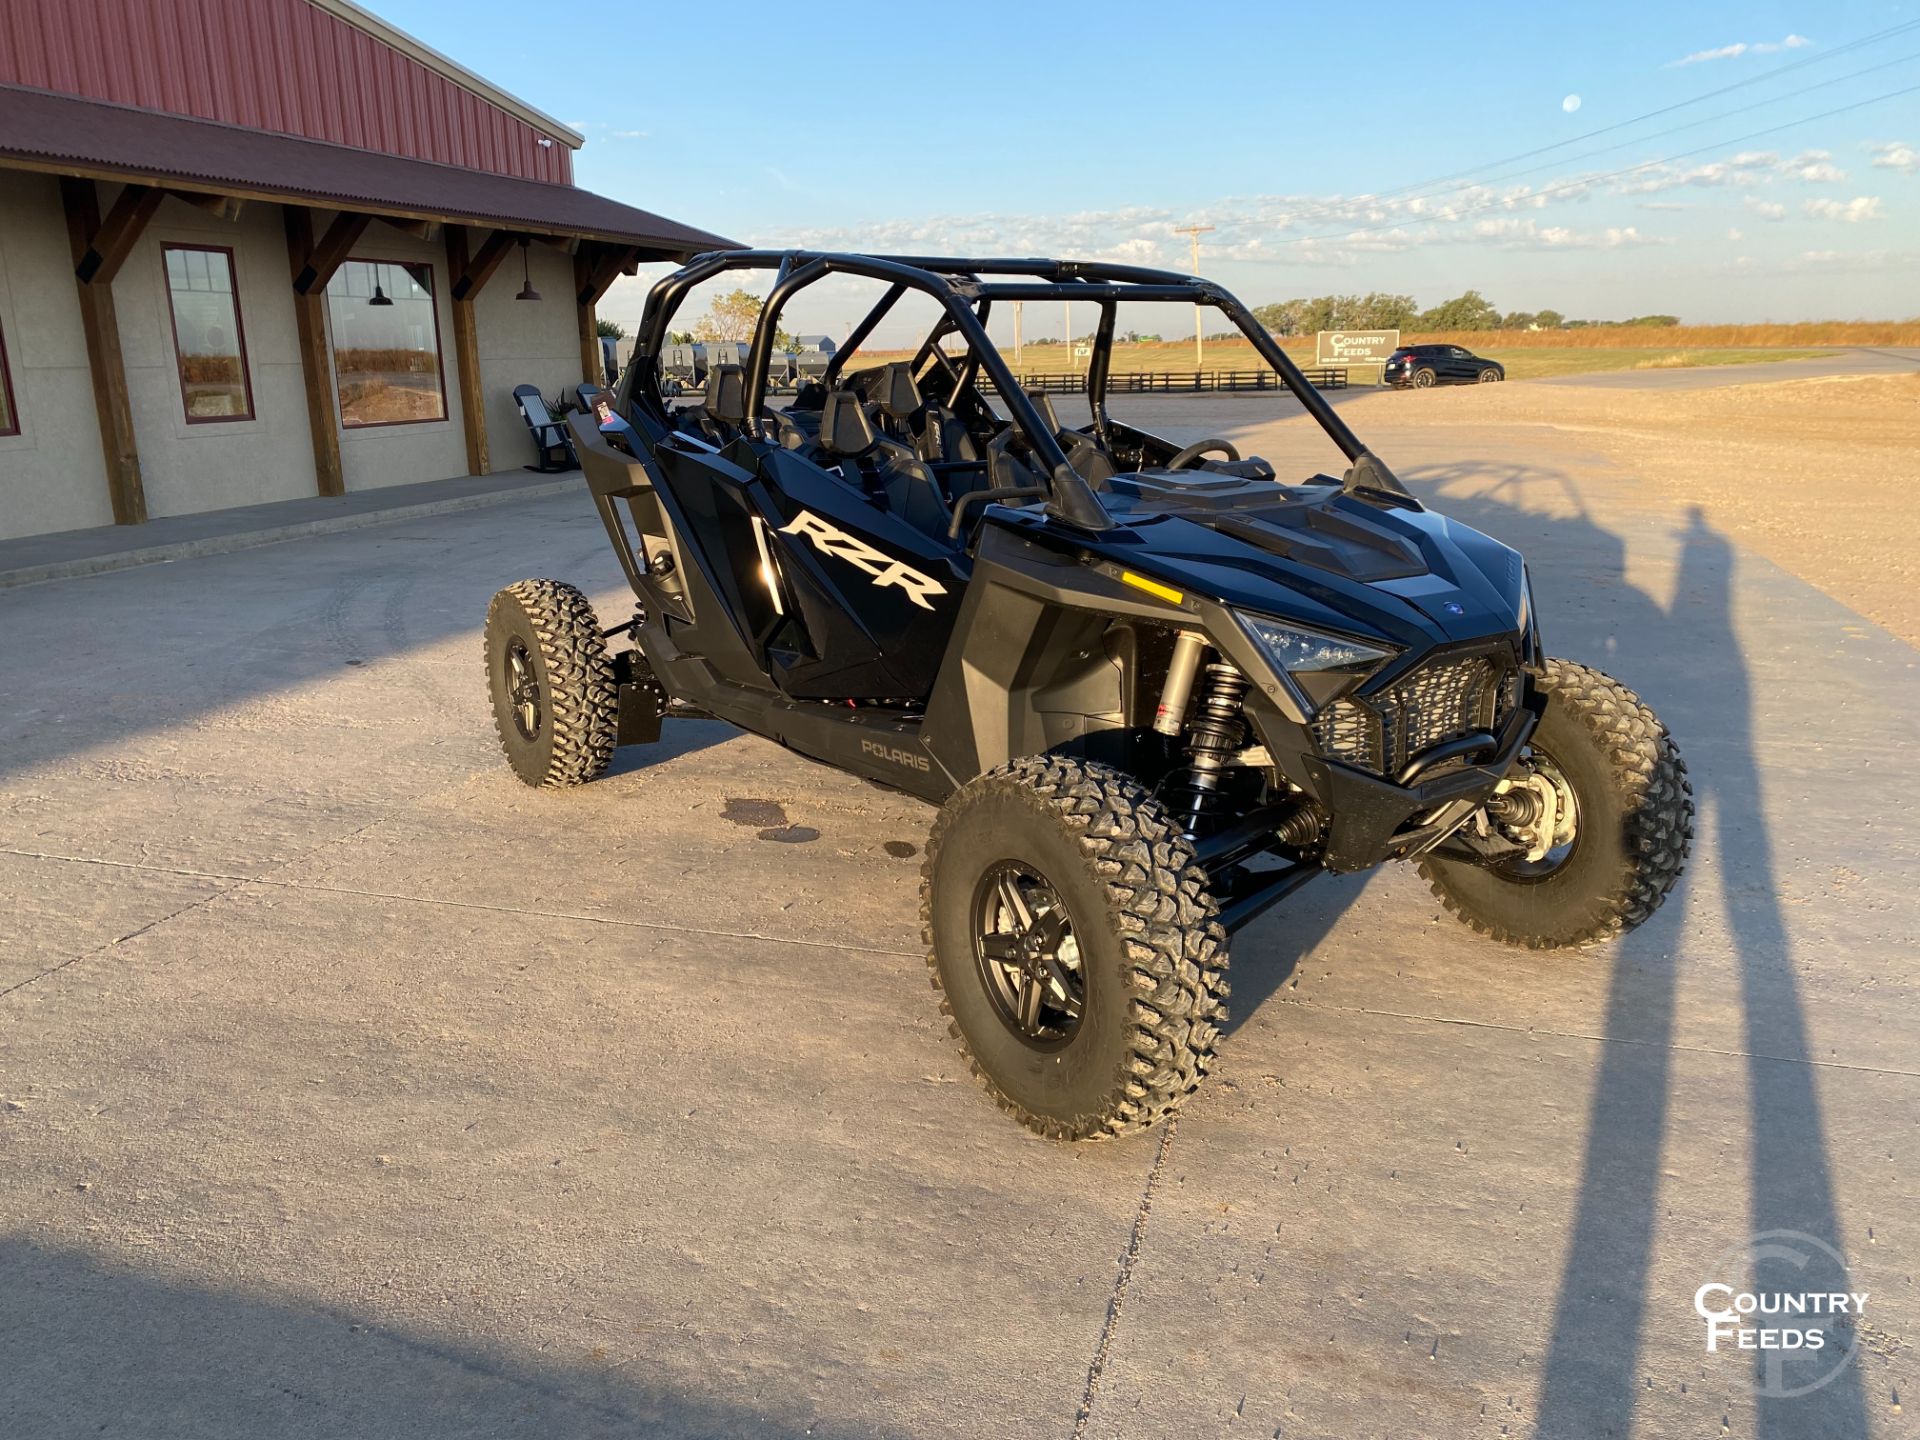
<point>547,628</point>
<point>1635,825</point>
<point>1152,951</point>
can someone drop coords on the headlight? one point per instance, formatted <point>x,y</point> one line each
<point>1298,651</point>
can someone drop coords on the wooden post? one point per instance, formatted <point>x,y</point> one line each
<point>316,366</point>
<point>100,323</point>
<point>466,352</point>
<point>589,337</point>
<point>592,274</point>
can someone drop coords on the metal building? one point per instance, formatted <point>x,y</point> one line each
<point>261,249</point>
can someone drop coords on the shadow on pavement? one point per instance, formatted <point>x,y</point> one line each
<point>221,634</point>
<point>88,1348</point>
<point>1690,663</point>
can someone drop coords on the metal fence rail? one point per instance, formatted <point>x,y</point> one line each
<point>1177,381</point>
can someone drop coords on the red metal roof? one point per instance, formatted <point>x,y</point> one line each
<point>85,137</point>
<point>282,65</point>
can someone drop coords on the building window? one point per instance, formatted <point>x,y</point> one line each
<point>9,418</point>
<point>386,343</point>
<point>206,333</point>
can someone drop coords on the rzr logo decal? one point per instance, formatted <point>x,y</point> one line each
<point>884,569</point>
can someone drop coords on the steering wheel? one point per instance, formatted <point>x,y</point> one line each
<point>1201,447</point>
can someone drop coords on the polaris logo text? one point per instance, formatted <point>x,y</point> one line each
<point>884,569</point>
<point>895,754</point>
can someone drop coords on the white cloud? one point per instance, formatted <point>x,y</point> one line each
<point>1816,167</point>
<point>1531,235</point>
<point>1853,261</point>
<point>1741,47</point>
<point>629,134</point>
<point>1897,155</point>
<point>1861,207</point>
<point>1735,234</point>
<point>1765,209</point>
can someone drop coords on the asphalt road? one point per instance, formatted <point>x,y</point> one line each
<point>348,1088</point>
<point>1700,377</point>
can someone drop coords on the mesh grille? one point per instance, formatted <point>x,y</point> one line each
<point>1438,702</point>
<point>1348,732</point>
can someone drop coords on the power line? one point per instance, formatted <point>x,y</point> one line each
<point>1775,73</point>
<point>1412,188</point>
<point>1696,124</point>
<point>1586,180</point>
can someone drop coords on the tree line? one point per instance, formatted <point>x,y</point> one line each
<point>1379,310</point>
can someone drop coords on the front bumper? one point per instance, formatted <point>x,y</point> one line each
<point>1375,819</point>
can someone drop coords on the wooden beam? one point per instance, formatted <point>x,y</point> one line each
<point>319,263</point>
<point>100,323</point>
<point>592,280</point>
<point>466,356</point>
<point>316,366</point>
<point>565,244</point>
<point>427,230</point>
<point>109,244</point>
<point>266,195</point>
<point>220,207</point>
<point>473,276</point>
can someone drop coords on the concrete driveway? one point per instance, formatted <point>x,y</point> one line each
<point>348,1088</point>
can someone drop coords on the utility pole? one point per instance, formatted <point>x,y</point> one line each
<point>1016,335</point>
<point>1069,310</point>
<point>1193,233</point>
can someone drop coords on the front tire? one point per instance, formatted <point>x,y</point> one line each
<point>1633,809</point>
<point>1076,947</point>
<point>1492,377</point>
<point>555,700</point>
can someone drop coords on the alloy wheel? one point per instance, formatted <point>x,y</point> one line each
<point>1027,955</point>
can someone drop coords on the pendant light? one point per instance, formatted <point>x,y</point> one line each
<point>380,296</point>
<point>527,292</point>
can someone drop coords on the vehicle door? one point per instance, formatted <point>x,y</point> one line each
<point>1460,364</point>
<point>867,602</point>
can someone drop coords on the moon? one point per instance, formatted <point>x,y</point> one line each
<point>1570,104</point>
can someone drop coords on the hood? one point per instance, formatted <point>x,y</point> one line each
<point>1315,553</point>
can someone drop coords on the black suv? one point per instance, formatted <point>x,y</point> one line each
<point>1425,365</point>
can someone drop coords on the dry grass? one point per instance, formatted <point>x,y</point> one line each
<point>1522,362</point>
<point>1682,337</point>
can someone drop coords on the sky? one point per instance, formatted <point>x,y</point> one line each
<point>1416,149</point>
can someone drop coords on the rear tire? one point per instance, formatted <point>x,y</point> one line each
<point>1424,379</point>
<point>1634,809</point>
<point>555,701</point>
<point>1129,958</point>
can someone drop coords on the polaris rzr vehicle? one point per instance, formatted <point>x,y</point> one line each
<point>1154,688</point>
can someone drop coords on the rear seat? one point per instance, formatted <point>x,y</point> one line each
<point>882,466</point>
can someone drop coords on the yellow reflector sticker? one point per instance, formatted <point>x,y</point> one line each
<point>1152,587</point>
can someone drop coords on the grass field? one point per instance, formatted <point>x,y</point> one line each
<point>1526,354</point>
<point>1530,362</point>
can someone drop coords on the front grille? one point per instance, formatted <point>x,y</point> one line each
<point>1440,701</point>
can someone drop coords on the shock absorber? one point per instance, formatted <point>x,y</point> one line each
<point>1217,730</point>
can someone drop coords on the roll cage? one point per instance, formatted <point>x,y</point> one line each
<point>966,291</point>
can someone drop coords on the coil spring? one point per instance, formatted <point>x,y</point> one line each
<point>1217,730</point>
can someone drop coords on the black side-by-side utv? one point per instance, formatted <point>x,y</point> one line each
<point>1153,688</point>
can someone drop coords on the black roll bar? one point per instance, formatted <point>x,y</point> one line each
<point>958,286</point>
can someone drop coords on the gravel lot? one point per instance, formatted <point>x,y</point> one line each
<point>348,1088</point>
